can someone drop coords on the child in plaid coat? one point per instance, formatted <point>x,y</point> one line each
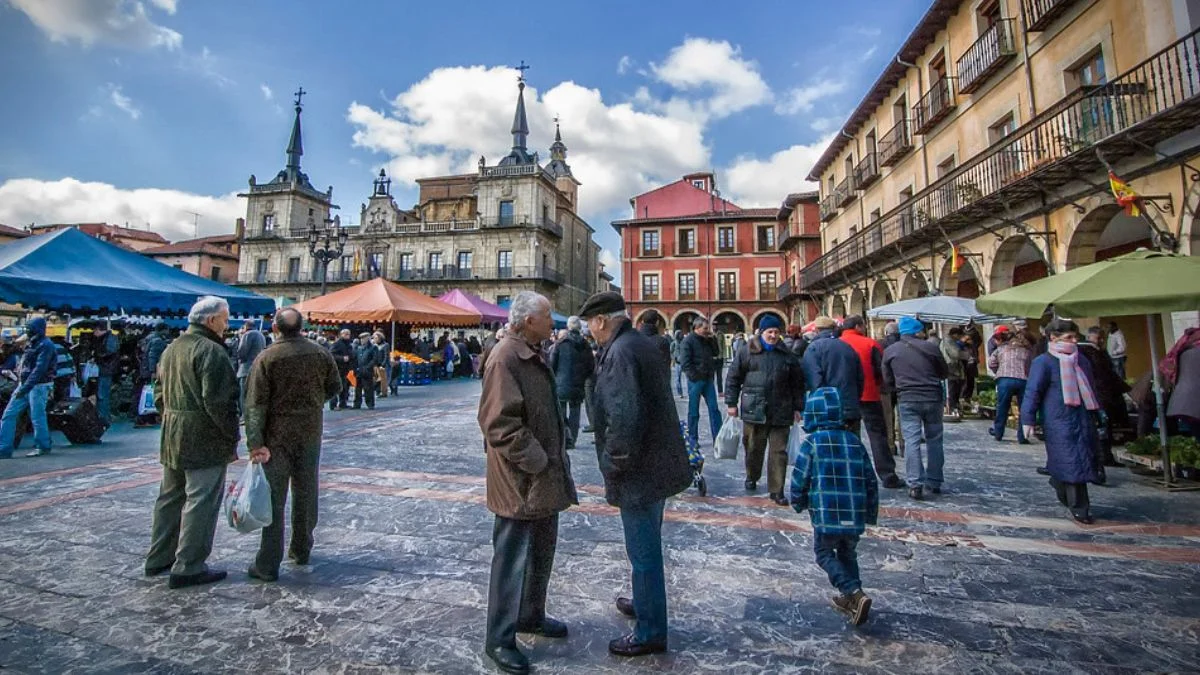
<point>834,479</point>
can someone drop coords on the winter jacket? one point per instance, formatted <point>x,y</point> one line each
<point>343,355</point>
<point>572,363</point>
<point>107,352</point>
<point>1070,431</point>
<point>286,391</point>
<point>197,393</point>
<point>152,351</point>
<point>64,363</point>
<point>955,356</point>
<point>914,369</point>
<point>1109,387</point>
<point>1116,344</point>
<point>1011,359</point>
<point>528,471</point>
<point>638,444</point>
<point>767,383</point>
<point>870,356</point>
<point>366,358</point>
<point>661,341</point>
<point>833,476</point>
<point>38,363</point>
<point>698,357</point>
<point>829,362</point>
<point>250,345</point>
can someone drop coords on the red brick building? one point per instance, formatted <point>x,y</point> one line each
<point>687,252</point>
<point>800,242</point>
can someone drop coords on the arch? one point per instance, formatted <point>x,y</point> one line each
<point>837,308</point>
<point>683,319</point>
<point>638,319</point>
<point>858,302</point>
<point>728,321</point>
<point>763,312</point>
<point>1017,260</point>
<point>1189,235</point>
<point>881,294</point>
<point>966,283</point>
<point>914,285</point>
<point>1103,233</point>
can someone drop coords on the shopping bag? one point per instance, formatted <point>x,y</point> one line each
<point>248,500</point>
<point>90,370</point>
<point>729,438</point>
<point>75,391</point>
<point>146,400</point>
<point>352,378</point>
<point>795,439</point>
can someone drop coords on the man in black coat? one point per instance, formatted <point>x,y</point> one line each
<point>829,362</point>
<point>699,356</point>
<point>642,457</point>
<point>343,355</point>
<point>366,358</point>
<point>572,363</point>
<point>650,325</point>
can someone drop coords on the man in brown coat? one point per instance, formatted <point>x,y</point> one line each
<point>528,481</point>
<point>286,393</point>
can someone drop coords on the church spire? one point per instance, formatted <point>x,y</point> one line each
<point>295,146</point>
<point>520,125</point>
<point>558,150</point>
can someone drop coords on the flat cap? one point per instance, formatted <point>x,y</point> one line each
<point>602,303</point>
<point>364,334</point>
<point>824,323</point>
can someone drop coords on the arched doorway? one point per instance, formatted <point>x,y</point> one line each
<point>858,302</point>
<point>759,317</point>
<point>1105,233</point>
<point>729,322</point>
<point>965,283</point>
<point>913,286</point>
<point>837,309</point>
<point>1017,261</point>
<point>881,294</point>
<point>683,320</point>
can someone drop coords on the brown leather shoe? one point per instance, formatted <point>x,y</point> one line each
<point>628,645</point>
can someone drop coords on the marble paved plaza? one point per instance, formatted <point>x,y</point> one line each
<point>990,577</point>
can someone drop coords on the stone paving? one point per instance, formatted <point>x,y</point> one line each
<point>990,577</point>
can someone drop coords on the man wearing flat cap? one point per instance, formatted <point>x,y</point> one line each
<point>642,457</point>
<point>367,358</point>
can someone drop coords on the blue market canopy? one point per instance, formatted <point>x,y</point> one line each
<point>560,321</point>
<point>69,271</point>
<point>936,309</point>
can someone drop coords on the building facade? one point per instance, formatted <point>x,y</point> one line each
<point>799,240</point>
<point>126,237</point>
<point>994,130</point>
<point>688,253</point>
<point>508,227</point>
<point>213,258</point>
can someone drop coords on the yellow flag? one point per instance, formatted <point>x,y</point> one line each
<point>1125,195</point>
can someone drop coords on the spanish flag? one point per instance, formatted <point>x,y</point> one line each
<point>955,259</point>
<point>357,263</point>
<point>1124,195</point>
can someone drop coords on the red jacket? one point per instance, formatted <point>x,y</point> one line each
<point>871,355</point>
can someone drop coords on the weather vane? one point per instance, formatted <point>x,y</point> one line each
<point>522,68</point>
<point>300,94</point>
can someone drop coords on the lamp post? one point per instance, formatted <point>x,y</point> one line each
<point>331,241</point>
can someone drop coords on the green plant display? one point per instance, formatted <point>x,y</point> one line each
<point>987,398</point>
<point>1185,451</point>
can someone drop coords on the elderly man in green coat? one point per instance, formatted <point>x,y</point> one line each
<point>198,398</point>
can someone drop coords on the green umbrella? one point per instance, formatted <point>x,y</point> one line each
<point>1142,282</point>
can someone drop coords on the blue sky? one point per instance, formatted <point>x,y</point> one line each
<point>141,111</point>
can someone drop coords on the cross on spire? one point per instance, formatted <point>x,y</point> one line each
<point>300,94</point>
<point>522,68</point>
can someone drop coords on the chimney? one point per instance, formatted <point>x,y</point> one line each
<point>239,228</point>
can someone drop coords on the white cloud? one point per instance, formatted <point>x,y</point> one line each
<point>612,263</point>
<point>802,99</point>
<point>624,65</point>
<point>168,6</point>
<point>756,182</point>
<point>123,102</point>
<point>25,200</point>
<point>716,67</point>
<point>266,92</point>
<point>122,23</point>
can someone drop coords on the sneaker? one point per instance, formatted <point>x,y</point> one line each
<point>751,485</point>
<point>38,453</point>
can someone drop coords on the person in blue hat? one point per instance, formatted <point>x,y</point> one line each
<point>914,369</point>
<point>36,382</point>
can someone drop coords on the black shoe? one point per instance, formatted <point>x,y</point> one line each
<point>780,499</point>
<point>155,571</point>
<point>1043,471</point>
<point>1025,442</point>
<point>549,627</point>
<point>1084,518</point>
<point>508,659</point>
<point>628,645</point>
<point>751,485</point>
<point>992,433</point>
<point>206,577</point>
<point>936,490</point>
<point>253,573</point>
<point>625,606</point>
<point>298,559</point>
<point>892,482</point>
<point>570,446</point>
<point>916,493</point>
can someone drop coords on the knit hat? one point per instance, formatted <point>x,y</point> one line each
<point>910,325</point>
<point>770,321</point>
<point>1000,329</point>
<point>824,323</point>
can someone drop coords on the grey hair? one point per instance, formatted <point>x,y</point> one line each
<point>573,323</point>
<point>501,333</point>
<point>699,321</point>
<point>206,308</point>
<point>524,306</point>
<point>891,328</point>
<point>619,314</point>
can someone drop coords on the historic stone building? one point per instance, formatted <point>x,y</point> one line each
<point>505,228</point>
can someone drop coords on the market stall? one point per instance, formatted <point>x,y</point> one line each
<point>488,313</point>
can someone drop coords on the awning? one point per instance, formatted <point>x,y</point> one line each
<point>381,301</point>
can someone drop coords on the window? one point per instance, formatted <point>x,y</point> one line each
<point>435,262</point>
<point>545,214</point>
<point>260,270</point>
<point>504,263</point>
<point>725,240</point>
<point>768,285</point>
<point>310,213</point>
<point>650,243</point>
<point>464,263</point>
<point>687,286</point>
<point>214,273</point>
<point>506,212</point>
<point>649,287</point>
<point>988,15</point>
<point>946,200</point>
<point>1089,72</point>
<point>501,299</point>
<point>406,262</point>
<point>269,222</point>
<point>765,239</point>
<point>907,220</point>
<point>726,286</point>
<point>178,266</point>
<point>1004,127</point>
<point>687,241</point>
<point>945,166</point>
<point>937,68</point>
<point>345,267</point>
<point>698,183</point>
<point>375,265</point>
<point>293,270</point>
<point>874,215</point>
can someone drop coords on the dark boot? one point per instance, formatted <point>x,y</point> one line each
<point>508,659</point>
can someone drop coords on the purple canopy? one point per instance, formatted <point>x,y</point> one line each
<point>488,313</point>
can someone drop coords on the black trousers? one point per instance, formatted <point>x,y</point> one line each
<point>589,388</point>
<point>342,398</point>
<point>570,409</point>
<point>954,390</point>
<point>295,468</point>
<point>877,432</point>
<point>522,557</point>
<point>1074,496</point>
<point>366,384</point>
<point>970,374</point>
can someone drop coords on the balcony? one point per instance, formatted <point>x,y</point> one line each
<point>844,193</point>
<point>790,233</point>
<point>253,235</point>
<point>1020,174</point>
<point>523,221</point>
<point>866,172</point>
<point>1040,13</point>
<point>990,52</point>
<point>895,144</point>
<point>934,106</point>
<point>655,252</point>
<point>687,297</point>
<point>787,289</point>
<point>828,209</point>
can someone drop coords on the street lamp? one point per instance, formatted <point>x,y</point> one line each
<point>331,241</point>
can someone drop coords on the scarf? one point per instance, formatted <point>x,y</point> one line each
<point>1074,380</point>
<point>1170,365</point>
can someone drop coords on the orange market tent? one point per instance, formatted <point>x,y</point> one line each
<point>381,301</point>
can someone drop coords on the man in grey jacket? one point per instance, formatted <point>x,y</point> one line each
<point>914,369</point>
<point>250,345</point>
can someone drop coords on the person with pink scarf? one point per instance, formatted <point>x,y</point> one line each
<point>1060,385</point>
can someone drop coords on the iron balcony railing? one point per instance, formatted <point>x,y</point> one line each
<point>866,172</point>
<point>1040,13</point>
<point>990,52</point>
<point>828,208</point>
<point>789,233</point>
<point>786,289</point>
<point>933,107</point>
<point>844,193</point>
<point>1157,99</point>
<point>523,221</point>
<point>895,144</point>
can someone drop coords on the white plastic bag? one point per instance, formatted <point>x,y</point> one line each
<point>75,391</point>
<point>795,439</point>
<point>90,371</point>
<point>729,438</point>
<point>146,400</point>
<point>248,500</point>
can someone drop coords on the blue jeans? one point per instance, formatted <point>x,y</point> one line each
<point>921,426</point>
<point>643,545</point>
<point>35,402</point>
<point>678,379</point>
<point>104,397</point>
<point>1008,389</point>
<point>708,390</point>
<point>837,556</point>
<point>1119,366</point>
